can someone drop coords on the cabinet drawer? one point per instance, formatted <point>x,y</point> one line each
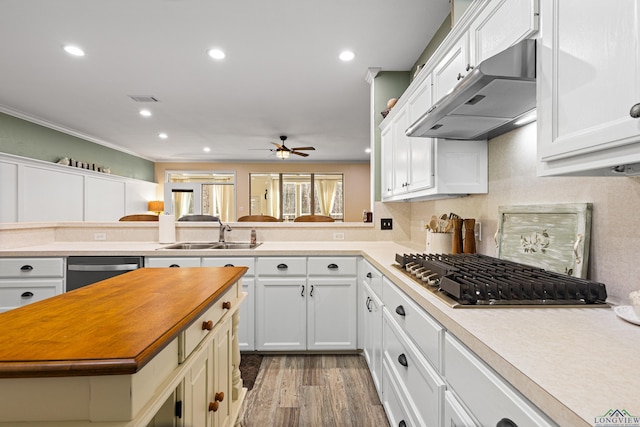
<point>172,262</point>
<point>231,261</point>
<point>372,277</point>
<point>208,320</point>
<point>32,267</point>
<point>394,401</point>
<point>485,393</point>
<point>332,266</point>
<point>454,413</point>
<point>425,332</point>
<point>423,384</point>
<point>282,266</point>
<point>16,293</point>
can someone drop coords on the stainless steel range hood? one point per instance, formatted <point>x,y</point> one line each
<point>488,101</point>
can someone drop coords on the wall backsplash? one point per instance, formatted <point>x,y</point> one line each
<point>615,236</point>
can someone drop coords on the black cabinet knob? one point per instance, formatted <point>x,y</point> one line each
<point>402,359</point>
<point>402,423</point>
<point>369,275</point>
<point>400,310</point>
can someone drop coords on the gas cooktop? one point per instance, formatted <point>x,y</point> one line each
<point>474,280</point>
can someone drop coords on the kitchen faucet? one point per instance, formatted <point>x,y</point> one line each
<point>223,228</point>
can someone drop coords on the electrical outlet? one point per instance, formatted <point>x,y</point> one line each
<point>386,224</point>
<point>478,231</point>
<point>338,236</point>
<point>100,236</point>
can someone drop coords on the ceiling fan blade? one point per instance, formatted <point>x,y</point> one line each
<point>278,145</point>
<point>299,154</point>
<point>303,148</point>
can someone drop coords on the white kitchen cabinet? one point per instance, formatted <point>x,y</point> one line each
<point>587,85</point>
<point>372,333</point>
<point>386,162</point>
<point>163,262</point>
<point>296,312</point>
<point>8,192</point>
<point>421,150</point>
<point>50,195</point>
<point>104,199</point>
<point>27,280</point>
<point>246,330</point>
<point>401,151</point>
<point>394,400</point>
<point>488,397</point>
<point>499,25</point>
<point>452,68</point>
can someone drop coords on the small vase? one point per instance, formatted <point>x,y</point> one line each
<point>469,236</point>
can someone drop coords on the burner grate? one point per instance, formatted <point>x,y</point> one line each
<point>481,280</point>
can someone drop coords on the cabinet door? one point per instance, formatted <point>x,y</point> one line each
<point>331,319</point>
<point>281,313</point>
<point>452,68</point>
<point>221,375</point>
<point>500,25</point>
<point>49,195</point>
<point>386,162</point>
<point>587,83</point>
<point>372,340</point>
<point>104,199</point>
<point>400,152</point>
<point>421,149</point>
<point>198,390</point>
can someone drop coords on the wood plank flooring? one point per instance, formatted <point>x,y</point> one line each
<point>314,391</point>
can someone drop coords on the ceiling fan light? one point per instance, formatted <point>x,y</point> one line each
<point>282,154</point>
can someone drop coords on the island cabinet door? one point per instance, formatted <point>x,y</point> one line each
<point>220,403</point>
<point>281,314</point>
<point>198,390</point>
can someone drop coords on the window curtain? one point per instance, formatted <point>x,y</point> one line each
<point>273,203</point>
<point>222,201</point>
<point>326,188</point>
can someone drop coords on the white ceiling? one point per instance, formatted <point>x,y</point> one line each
<point>281,75</point>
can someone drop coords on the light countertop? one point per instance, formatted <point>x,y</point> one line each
<point>573,363</point>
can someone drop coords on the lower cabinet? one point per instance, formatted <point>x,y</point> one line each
<point>27,280</point>
<point>372,333</point>
<point>281,314</point>
<point>487,396</point>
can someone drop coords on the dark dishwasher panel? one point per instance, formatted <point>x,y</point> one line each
<point>85,270</point>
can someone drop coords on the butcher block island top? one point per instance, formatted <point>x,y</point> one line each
<point>123,352</point>
<point>112,327</point>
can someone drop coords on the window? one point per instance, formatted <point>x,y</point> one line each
<point>200,192</point>
<point>287,195</point>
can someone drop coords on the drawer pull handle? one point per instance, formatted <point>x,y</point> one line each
<point>369,275</point>
<point>506,422</point>
<point>635,111</point>
<point>332,266</point>
<point>302,293</point>
<point>400,310</point>
<point>402,359</point>
<point>402,423</point>
<point>27,294</point>
<point>213,406</point>
<point>219,396</point>
<point>207,325</point>
<point>282,266</point>
<point>311,293</point>
<point>229,265</point>
<point>226,305</point>
<point>26,268</point>
<point>174,266</point>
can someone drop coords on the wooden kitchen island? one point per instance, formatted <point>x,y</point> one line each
<point>155,346</point>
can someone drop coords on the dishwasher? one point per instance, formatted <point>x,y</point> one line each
<point>85,270</point>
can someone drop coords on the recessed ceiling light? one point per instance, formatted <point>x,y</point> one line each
<point>145,113</point>
<point>216,54</point>
<point>206,149</point>
<point>73,50</point>
<point>163,135</point>
<point>347,55</point>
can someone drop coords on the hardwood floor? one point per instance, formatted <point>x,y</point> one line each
<point>313,390</point>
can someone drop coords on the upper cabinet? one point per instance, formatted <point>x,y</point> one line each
<point>588,90</point>
<point>425,168</point>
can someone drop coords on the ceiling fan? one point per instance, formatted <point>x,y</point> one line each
<point>283,151</point>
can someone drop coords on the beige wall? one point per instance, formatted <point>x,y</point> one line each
<point>357,181</point>
<point>615,234</point>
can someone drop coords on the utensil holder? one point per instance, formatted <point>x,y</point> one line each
<point>469,236</point>
<point>438,243</point>
<point>456,243</point>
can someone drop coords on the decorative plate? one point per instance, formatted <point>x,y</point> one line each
<point>627,313</point>
<point>553,237</point>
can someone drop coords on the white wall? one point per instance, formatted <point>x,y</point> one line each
<point>615,234</point>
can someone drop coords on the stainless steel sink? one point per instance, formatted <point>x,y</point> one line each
<point>211,245</point>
